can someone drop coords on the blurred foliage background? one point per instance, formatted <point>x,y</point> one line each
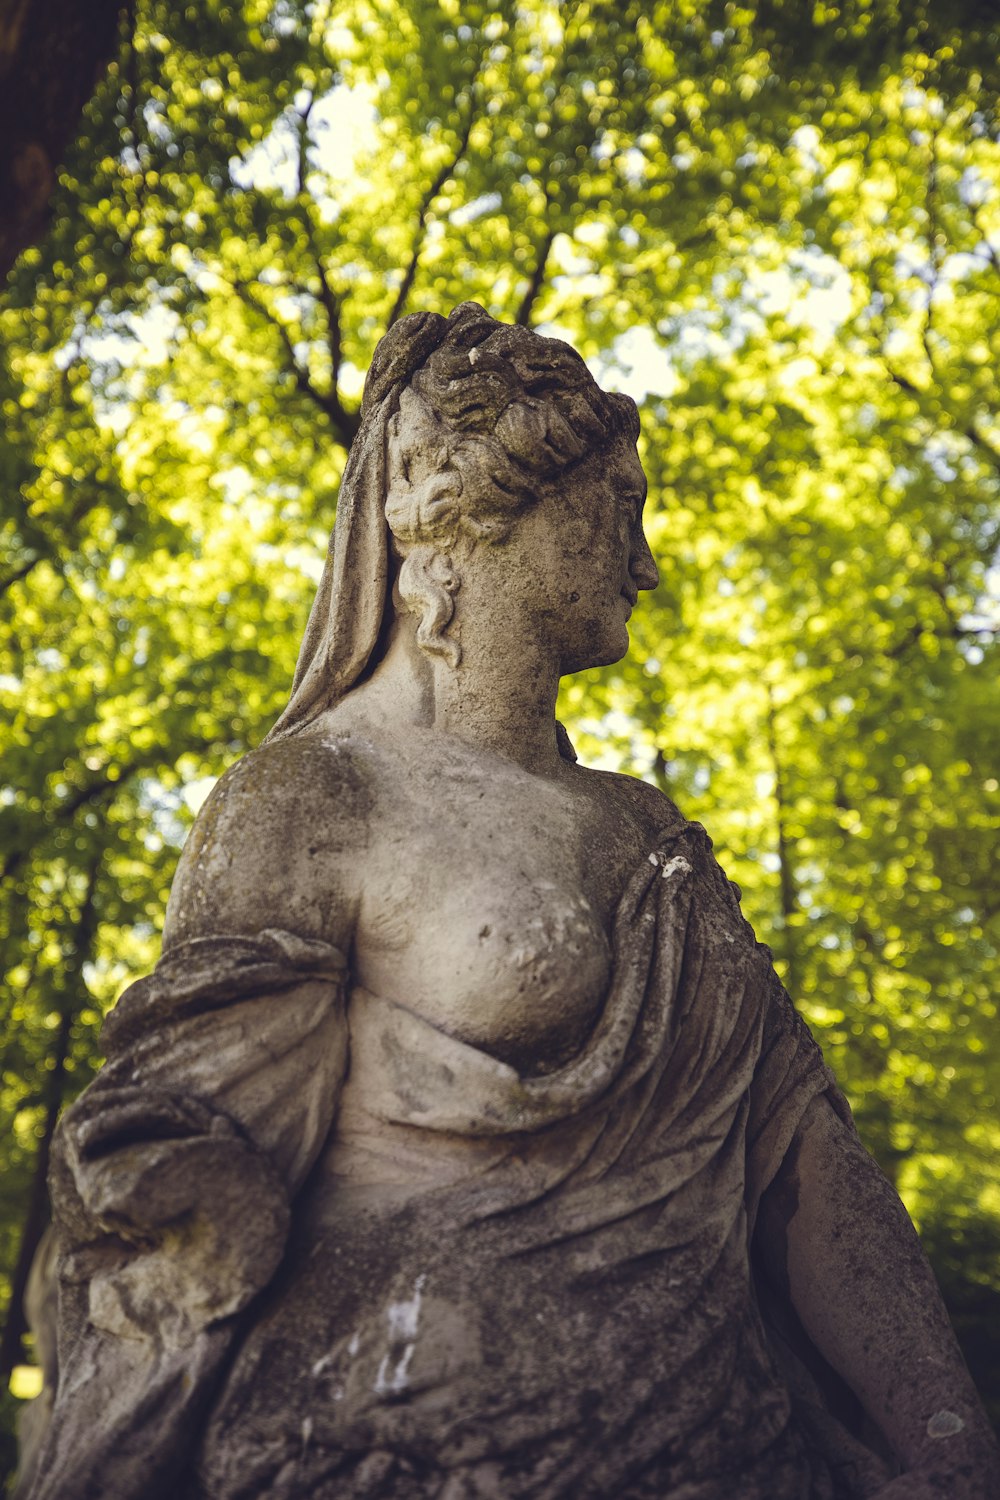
<point>777,225</point>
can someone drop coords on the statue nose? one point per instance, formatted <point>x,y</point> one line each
<point>642,566</point>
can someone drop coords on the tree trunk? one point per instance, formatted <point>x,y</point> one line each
<point>36,1216</point>
<point>788,893</point>
<point>52,55</point>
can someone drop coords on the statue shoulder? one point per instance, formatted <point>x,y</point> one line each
<point>651,810</point>
<point>277,844</point>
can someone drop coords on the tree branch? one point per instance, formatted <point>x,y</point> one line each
<point>991,254</point>
<point>952,424</point>
<point>21,572</point>
<point>985,447</point>
<point>935,259</point>
<point>344,422</point>
<point>302,129</point>
<point>331,306</point>
<point>788,894</point>
<point>330,302</point>
<point>448,170</point>
<point>537,277</point>
<point>920,394</point>
<point>85,503</point>
<point>92,792</point>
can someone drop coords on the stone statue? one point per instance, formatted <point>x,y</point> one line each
<point>464,1143</point>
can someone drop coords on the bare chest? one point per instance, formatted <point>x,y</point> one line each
<point>486,909</point>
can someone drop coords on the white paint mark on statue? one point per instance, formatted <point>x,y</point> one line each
<point>404,1319</point>
<point>326,1361</point>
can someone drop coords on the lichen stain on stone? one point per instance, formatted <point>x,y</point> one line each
<point>944,1424</point>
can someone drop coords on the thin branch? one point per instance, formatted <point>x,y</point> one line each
<point>537,277</point>
<point>951,424</point>
<point>132,134</point>
<point>93,792</point>
<point>935,259</point>
<point>991,254</point>
<point>952,633</point>
<point>908,639</point>
<point>448,170</point>
<point>65,808</point>
<point>21,572</point>
<point>87,501</point>
<point>902,381</point>
<point>985,447</point>
<point>920,394</point>
<point>331,304</point>
<point>330,301</point>
<point>302,130</point>
<point>787,890</point>
<point>344,422</point>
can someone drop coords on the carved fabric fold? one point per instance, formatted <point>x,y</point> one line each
<point>538,1287</point>
<point>541,1287</point>
<point>171,1182</point>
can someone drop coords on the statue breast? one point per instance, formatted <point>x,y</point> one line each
<point>517,967</point>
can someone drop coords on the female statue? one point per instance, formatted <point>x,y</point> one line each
<point>463,1142</point>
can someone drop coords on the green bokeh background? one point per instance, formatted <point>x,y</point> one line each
<point>776,225</point>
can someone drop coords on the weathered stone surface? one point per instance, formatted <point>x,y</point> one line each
<point>464,1143</point>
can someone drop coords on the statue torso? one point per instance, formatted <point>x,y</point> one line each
<point>466,888</point>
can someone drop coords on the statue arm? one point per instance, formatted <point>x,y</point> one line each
<point>225,1066</point>
<point>173,1174</point>
<point>833,1236</point>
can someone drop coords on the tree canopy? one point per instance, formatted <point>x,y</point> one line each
<point>778,227</point>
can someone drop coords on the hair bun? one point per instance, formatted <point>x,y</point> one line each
<point>400,353</point>
<point>468,325</point>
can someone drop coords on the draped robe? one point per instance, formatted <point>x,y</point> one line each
<point>314,1246</point>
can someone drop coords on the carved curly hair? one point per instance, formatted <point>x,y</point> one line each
<point>501,412</point>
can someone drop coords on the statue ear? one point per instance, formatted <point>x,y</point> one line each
<point>437,502</point>
<point>427,511</point>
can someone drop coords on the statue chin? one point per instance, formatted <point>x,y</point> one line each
<point>594,659</point>
<point>446,1150</point>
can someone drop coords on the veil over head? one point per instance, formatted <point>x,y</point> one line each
<point>349,611</point>
<point>349,607</point>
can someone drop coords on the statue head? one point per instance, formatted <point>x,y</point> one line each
<point>467,426</point>
<point>493,422</point>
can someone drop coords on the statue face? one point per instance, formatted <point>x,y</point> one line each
<point>579,558</point>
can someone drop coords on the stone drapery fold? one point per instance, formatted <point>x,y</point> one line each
<point>171,1184</point>
<point>441,1278</point>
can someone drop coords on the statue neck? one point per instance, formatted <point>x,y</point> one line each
<point>499,698</point>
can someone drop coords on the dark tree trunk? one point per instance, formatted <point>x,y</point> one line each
<point>788,893</point>
<point>52,54</point>
<point>37,1213</point>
